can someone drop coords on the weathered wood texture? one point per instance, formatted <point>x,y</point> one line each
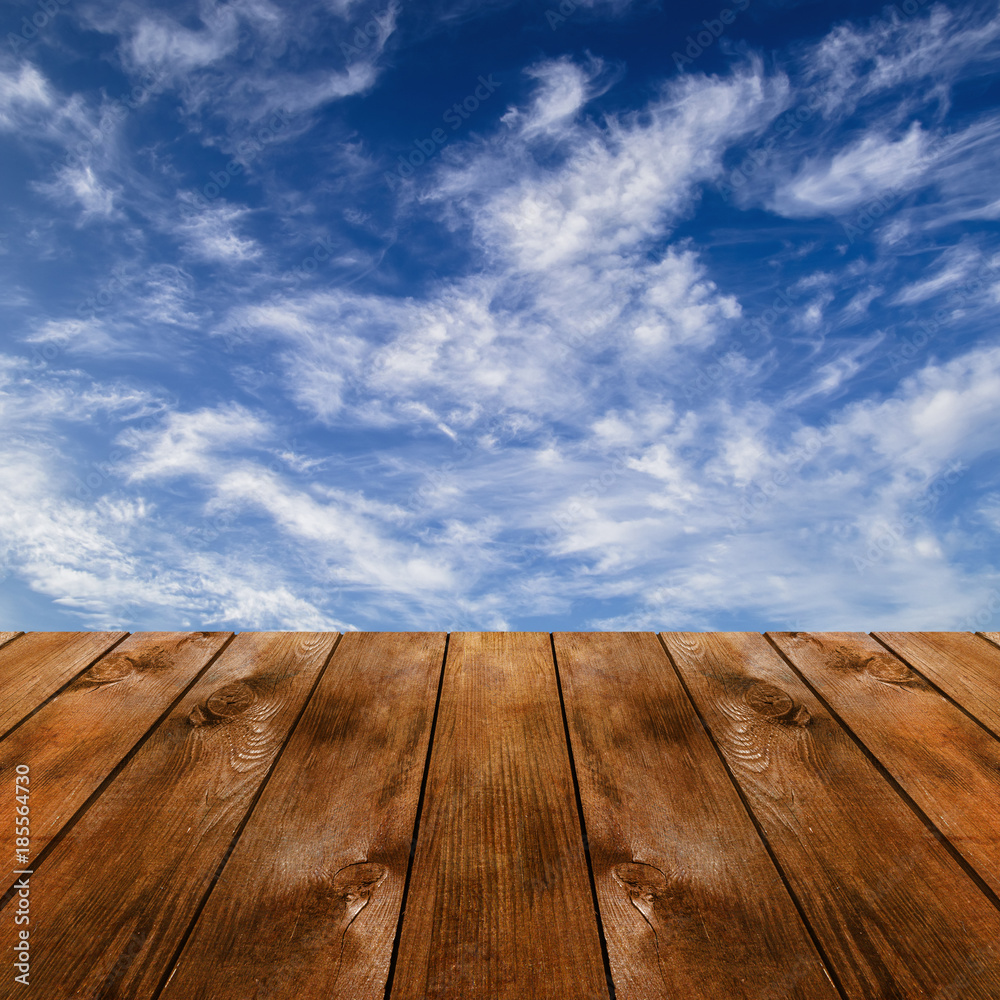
<point>962,665</point>
<point>75,740</point>
<point>118,892</point>
<point>500,903</point>
<point>692,905</point>
<point>307,906</point>
<point>285,817</point>
<point>992,637</point>
<point>894,912</point>
<point>6,637</point>
<point>945,762</point>
<point>35,666</point>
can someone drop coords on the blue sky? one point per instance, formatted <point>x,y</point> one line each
<point>453,315</point>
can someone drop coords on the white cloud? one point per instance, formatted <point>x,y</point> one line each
<point>858,174</point>
<point>574,273</point>
<point>621,184</point>
<point>564,89</point>
<point>90,335</point>
<point>858,306</point>
<point>190,443</point>
<point>945,411</point>
<point>364,554</point>
<point>73,533</point>
<point>751,513</point>
<point>235,62</point>
<point>834,374</point>
<point>865,150</point>
<point>955,265</point>
<point>681,306</point>
<point>211,233</point>
<point>854,63</point>
<point>989,510</point>
<point>80,185</point>
<point>34,394</point>
<point>24,91</point>
<point>160,44</point>
<point>464,353</point>
<point>302,93</point>
<point>342,536</point>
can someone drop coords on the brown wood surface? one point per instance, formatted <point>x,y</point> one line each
<point>992,637</point>
<point>38,664</point>
<point>500,903</point>
<point>6,637</point>
<point>961,664</point>
<point>692,904</point>
<point>77,738</point>
<point>842,811</point>
<point>943,760</point>
<point>308,905</point>
<point>112,902</point>
<point>894,913</point>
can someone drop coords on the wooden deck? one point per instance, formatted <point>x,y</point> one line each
<point>500,815</point>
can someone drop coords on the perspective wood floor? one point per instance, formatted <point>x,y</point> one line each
<point>519,816</point>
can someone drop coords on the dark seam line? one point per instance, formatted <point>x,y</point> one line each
<point>944,694</point>
<point>172,964</point>
<point>980,635</point>
<point>117,769</point>
<point>583,826</point>
<point>13,638</point>
<point>828,966</point>
<point>904,795</point>
<point>416,826</point>
<point>61,688</point>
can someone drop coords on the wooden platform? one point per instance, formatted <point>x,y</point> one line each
<point>500,815</point>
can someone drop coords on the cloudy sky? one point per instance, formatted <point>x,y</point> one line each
<point>607,314</point>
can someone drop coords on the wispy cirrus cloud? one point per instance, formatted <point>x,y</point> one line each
<point>554,373</point>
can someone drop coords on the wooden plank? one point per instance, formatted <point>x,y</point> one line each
<point>943,760</point>
<point>500,903</point>
<point>121,888</point>
<point>894,912</point>
<point>106,710</point>
<point>691,902</point>
<point>6,637</point>
<point>40,663</point>
<point>308,905</point>
<point>959,663</point>
<point>993,637</point>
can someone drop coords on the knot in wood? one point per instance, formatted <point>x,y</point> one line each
<point>804,637</point>
<point>844,658</point>
<point>226,703</point>
<point>773,703</point>
<point>117,666</point>
<point>887,668</point>
<point>358,880</point>
<point>110,669</point>
<point>641,880</point>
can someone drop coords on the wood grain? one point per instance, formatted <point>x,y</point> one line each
<point>40,663</point>
<point>118,892</point>
<point>6,637</point>
<point>993,637</point>
<point>500,903</point>
<point>104,712</point>
<point>308,905</point>
<point>942,759</point>
<point>692,905</point>
<point>959,663</point>
<point>894,913</point>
